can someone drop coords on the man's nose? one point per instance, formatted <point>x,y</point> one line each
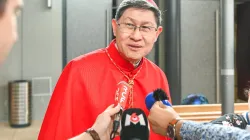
<point>136,34</point>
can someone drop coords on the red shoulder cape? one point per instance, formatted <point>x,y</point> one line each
<point>87,86</point>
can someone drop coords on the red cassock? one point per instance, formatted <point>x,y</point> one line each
<point>87,87</point>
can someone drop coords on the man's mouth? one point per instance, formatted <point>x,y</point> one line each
<point>133,46</point>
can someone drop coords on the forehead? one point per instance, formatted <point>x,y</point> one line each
<point>16,3</point>
<point>139,15</point>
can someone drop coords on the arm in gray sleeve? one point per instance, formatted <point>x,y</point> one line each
<point>206,131</point>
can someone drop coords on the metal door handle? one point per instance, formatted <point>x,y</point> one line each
<point>49,3</point>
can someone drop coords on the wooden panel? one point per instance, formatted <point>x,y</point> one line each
<point>205,113</point>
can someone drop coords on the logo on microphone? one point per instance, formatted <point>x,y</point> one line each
<point>122,93</point>
<point>134,118</point>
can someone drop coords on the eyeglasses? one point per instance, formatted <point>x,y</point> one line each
<point>130,28</point>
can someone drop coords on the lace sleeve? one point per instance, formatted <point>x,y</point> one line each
<point>207,131</point>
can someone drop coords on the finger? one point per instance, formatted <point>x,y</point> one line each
<point>113,111</point>
<point>162,105</point>
<point>109,107</point>
<point>159,130</point>
<point>150,117</point>
<point>151,121</point>
<point>154,128</point>
<point>170,109</point>
<point>173,112</point>
<point>157,102</point>
<point>155,105</point>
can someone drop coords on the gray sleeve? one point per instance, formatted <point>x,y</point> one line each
<point>206,131</point>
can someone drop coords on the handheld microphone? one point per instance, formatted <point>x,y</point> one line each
<point>157,95</point>
<point>121,98</point>
<point>134,125</point>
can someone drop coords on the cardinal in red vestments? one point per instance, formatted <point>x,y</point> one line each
<point>88,83</point>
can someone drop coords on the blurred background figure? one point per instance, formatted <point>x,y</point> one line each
<point>195,99</point>
<point>9,9</point>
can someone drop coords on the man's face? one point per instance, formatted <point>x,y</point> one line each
<point>8,29</point>
<point>135,44</point>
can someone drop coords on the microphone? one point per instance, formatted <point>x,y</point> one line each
<point>121,98</point>
<point>134,125</point>
<point>157,95</point>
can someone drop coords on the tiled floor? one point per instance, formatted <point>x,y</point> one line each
<point>27,133</point>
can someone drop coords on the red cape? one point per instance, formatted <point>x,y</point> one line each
<point>87,87</point>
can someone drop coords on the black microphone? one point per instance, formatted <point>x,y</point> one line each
<point>134,125</point>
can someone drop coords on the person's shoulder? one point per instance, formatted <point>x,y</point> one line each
<point>91,56</point>
<point>88,59</point>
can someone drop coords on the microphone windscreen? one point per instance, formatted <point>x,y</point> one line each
<point>134,125</point>
<point>156,95</point>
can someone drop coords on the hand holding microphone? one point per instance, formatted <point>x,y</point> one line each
<point>160,116</point>
<point>102,125</point>
<point>161,111</point>
<point>121,99</point>
<point>103,122</point>
<point>157,95</point>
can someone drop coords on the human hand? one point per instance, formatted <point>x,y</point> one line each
<point>104,124</point>
<point>160,116</point>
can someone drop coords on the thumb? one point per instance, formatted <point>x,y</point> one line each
<point>113,111</point>
<point>162,105</point>
<point>109,107</point>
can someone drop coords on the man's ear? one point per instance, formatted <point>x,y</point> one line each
<point>159,30</point>
<point>114,26</point>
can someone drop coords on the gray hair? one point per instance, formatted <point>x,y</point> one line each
<point>140,4</point>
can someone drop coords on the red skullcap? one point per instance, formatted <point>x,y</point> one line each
<point>153,3</point>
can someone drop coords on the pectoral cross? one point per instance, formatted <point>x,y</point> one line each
<point>131,83</point>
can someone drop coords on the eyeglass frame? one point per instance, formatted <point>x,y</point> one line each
<point>135,27</point>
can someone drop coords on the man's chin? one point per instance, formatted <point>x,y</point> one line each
<point>1,61</point>
<point>134,60</point>
<point>4,54</point>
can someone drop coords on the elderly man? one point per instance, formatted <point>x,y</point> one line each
<point>9,10</point>
<point>89,82</point>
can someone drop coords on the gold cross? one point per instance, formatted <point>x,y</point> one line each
<point>131,82</point>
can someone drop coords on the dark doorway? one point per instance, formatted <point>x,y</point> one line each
<point>243,49</point>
